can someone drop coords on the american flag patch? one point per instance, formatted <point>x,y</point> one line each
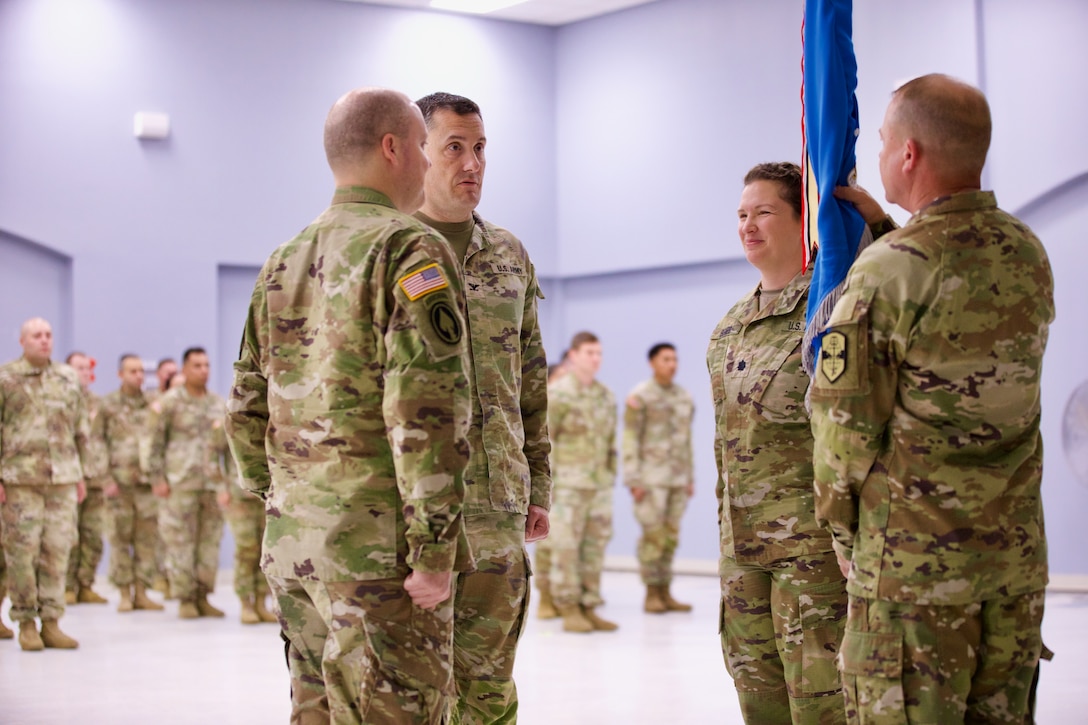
<point>423,282</point>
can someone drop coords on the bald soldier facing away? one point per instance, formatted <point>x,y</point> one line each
<point>928,457</point>
<point>348,417</point>
<point>44,459</point>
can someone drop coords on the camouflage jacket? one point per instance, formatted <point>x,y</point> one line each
<point>350,406</point>
<point>43,425</point>
<point>926,409</point>
<point>188,444</point>
<point>93,404</point>
<point>582,423</point>
<point>509,468</point>
<point>762,440</point>
<point>657,436</point>
<point>121,434</point>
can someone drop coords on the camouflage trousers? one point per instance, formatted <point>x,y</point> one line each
<point>361,652</point>
<point>192,527</point>
<point>134,534</point>
<point>490,606</point>
<point>781,624</point>
<point>246,517</point>
<point>570,560</point>
<point>87,551</point>
<point>941,664</point>
<point>39,530</point>
<point>659,513</point>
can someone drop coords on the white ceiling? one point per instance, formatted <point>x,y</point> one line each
<point>541,12</point>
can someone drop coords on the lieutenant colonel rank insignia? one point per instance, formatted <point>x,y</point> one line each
<point>833,355</point>
<point>423,282</point>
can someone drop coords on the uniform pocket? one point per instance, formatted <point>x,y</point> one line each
<point>822,619</point>
<point>872,654</point>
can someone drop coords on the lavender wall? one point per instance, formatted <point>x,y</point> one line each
<point>247,84</point>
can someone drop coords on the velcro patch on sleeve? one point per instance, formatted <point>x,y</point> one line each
<point>423,281</point>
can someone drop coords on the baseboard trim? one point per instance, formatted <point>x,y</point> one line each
<point>1073,583</point>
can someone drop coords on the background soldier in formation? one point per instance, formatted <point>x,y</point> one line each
<point>189,457</point>
<point>87,553</point>
<point>926,415</point>
<point>659,470</point>
<point>783,597</point>
<point>349,412</point>
<point>44,459</point>
<point>121,434</point>
<point>165,372</point>
<point>245,514</point>
<point>507,482</point>
<point>582,425</point>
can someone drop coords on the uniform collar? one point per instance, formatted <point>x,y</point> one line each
<point>481,236</point>
<point>963,201</point>
<point>360,195</point>
<point>788,299</point>
<point>22,366</point>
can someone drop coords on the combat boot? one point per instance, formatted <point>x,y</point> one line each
<point>206,609</point>
<point>142,601</point>
<point>655,603</point>
<point>29,639</point>
<point>262,613</point>
<point>126,604</point>
<point>53,638</point>
<point>89,596</point>
<point>249,613</point>
<point>546,609</point>
<point>600,625</point>
<point>70,596</point>
<point>574,620</point>
<point>188,610</point>
<point>672,604</point>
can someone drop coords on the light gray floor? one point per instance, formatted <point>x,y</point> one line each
<point>148,667</point>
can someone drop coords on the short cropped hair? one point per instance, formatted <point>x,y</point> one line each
<point>784,173</point>
<point>162,362</point>
<point>189,352</point>
<point>949,119</point>
<point>126,356</point>
<point>460,105</point>
<point>72,355</point>
<point>658,348</point>
<point>582,338</point>
<point>357,123</point>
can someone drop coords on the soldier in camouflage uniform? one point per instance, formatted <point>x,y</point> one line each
<point>87,553</point>
<point>188,467</point>
<point>783,597</point>
<point>348,416</point>
<point>245,514</point>
<point>658,469</point>
<point>165,372</point>
<point>44,458</point>
<point>508,481</point>
<point>926,416</point>
<point>121,434</point>
<point>582,424</point>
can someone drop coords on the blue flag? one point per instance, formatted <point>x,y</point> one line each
<point>833,229</point>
